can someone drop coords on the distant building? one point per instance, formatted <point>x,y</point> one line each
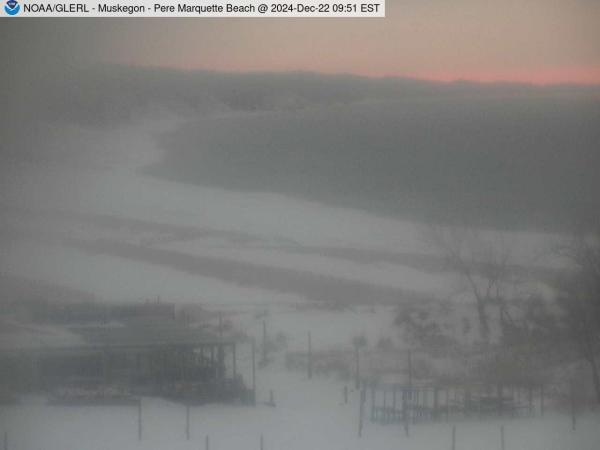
<point>142,356</point>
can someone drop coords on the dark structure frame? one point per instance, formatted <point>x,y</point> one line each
<point>160,358</point>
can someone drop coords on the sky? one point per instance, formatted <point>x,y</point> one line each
<point>533,41</point>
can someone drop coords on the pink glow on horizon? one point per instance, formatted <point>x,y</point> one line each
<point>542,77</point>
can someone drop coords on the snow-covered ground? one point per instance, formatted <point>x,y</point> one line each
<point>308,415</point>
<point>107,228</point>
<point>105,195</point>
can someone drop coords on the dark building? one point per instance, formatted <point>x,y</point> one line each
<point>117,361</point>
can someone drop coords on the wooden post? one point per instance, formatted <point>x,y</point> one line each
<point>479,394</point>
<point>253,371</point>
<point>140,419</point>
<point>415,405</point>
<point>573,413</point>
<point>309,357</point>
<point>502,437</point>
<point>357,374</point>
<point>372,401</point>
<point>501,400</point>
<point>187,422</point>
<point>409,369</point>
<point>436,403</point>
<point>467,402</point>
<point>361,410</point>
<point>410,391</point>
<point>447,404</point>
<point>454,437</point>
<point>404,403</point>
<point>207,443</point>
<point>220,362</point>
<point>405,412</point>
<point>384,408</point>
<point>264,343</point>
<point>182,365</point>
<point>234,366</point>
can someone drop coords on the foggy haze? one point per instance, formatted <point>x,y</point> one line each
<point>414,236</point>
<point>511,157</point>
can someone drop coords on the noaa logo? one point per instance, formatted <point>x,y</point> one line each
<point>12,7</point>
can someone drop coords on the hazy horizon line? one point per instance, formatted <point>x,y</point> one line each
<point>360,76</point>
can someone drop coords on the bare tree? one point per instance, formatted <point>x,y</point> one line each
<point>580,297</point>
<point>482,264</point>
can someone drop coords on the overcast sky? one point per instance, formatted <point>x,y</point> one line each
<point>539,41</point>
